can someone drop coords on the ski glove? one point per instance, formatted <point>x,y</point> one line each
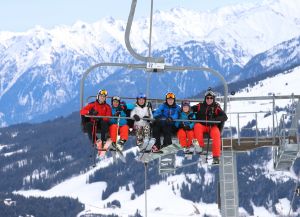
<point>147,117</point>
<point>157,119</point>
<point>136,117</point>
<point>117,113</point>
<point>169,119</point>
<point>149,105</point>
<point>186,128</point>
<point>190,116</point>
<point>92,112</point>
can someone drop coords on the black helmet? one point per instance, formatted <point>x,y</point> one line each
<point>115,98</point>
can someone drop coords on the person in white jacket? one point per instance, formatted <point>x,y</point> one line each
<point>141,127</point>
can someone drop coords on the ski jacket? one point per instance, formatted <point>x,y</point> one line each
<point>101,109</point>
<point>115,112</point>
<point>141,112</point>
<point>167,111</point>
<point>211,112</point>
<point>185,116</point>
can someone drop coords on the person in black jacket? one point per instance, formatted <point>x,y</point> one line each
<point>209,110</point>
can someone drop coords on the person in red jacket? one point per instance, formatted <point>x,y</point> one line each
<point>209,110</point>
<point>93,125</point>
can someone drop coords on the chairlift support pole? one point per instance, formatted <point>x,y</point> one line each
<point>146,202</point>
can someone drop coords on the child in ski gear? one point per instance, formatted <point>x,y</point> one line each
<point>141,127</point>
<point>209,110</point>
<point>164,116</point>
<point>92,125</point>
<point>185,131</point>
<point>118,125</point>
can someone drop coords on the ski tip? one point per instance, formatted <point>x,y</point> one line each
<point>157,152</point>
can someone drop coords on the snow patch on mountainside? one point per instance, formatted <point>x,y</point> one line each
<point>162,199</point>
<point>282,84</point>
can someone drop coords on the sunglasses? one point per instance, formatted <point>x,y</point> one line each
<point>170,95</point>
<point>209,97</point>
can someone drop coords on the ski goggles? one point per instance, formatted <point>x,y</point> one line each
<point>209,97</point>
<point>103,92</point>
<point>170,96</point>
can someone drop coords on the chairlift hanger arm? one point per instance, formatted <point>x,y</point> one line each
<point>127,41</point>
<point>130,66</point>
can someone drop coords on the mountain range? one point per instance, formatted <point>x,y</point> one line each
<point>47,167</point>
<point>41,69</point>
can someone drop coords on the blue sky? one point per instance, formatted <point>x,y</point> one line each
<point>21,15</point>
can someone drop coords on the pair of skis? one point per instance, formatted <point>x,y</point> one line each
<point>196,151</point>
<point>113,148</point>
<point>202,154</point>
<point>108,146</point>
<point>146,150</point>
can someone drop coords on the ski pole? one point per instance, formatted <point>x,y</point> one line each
<point>208,140</point>
<point>118,126</point>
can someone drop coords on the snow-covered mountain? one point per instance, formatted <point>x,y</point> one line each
<point>284,56</point>
<point>41,69</point>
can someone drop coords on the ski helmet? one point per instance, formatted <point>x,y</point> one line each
<point>185,103</point>
<point>141,96</point>
<point>102,92</point>
<point>209,92</point>
<point>115,98</point>
<point>170,95</point>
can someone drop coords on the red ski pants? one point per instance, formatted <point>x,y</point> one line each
<point>214,132</point>
<point>185,137</point>
<point>123,130</point>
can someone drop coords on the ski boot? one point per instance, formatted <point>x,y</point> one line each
<point>216,160</point>
<point>120,144</point>
<point>155,149</point>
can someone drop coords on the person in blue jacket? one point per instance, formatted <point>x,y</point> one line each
<point>185,131</point>
<point>118,125</point>
<point>164,124</point>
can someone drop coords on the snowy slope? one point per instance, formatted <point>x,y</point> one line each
<point>282,84</point>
